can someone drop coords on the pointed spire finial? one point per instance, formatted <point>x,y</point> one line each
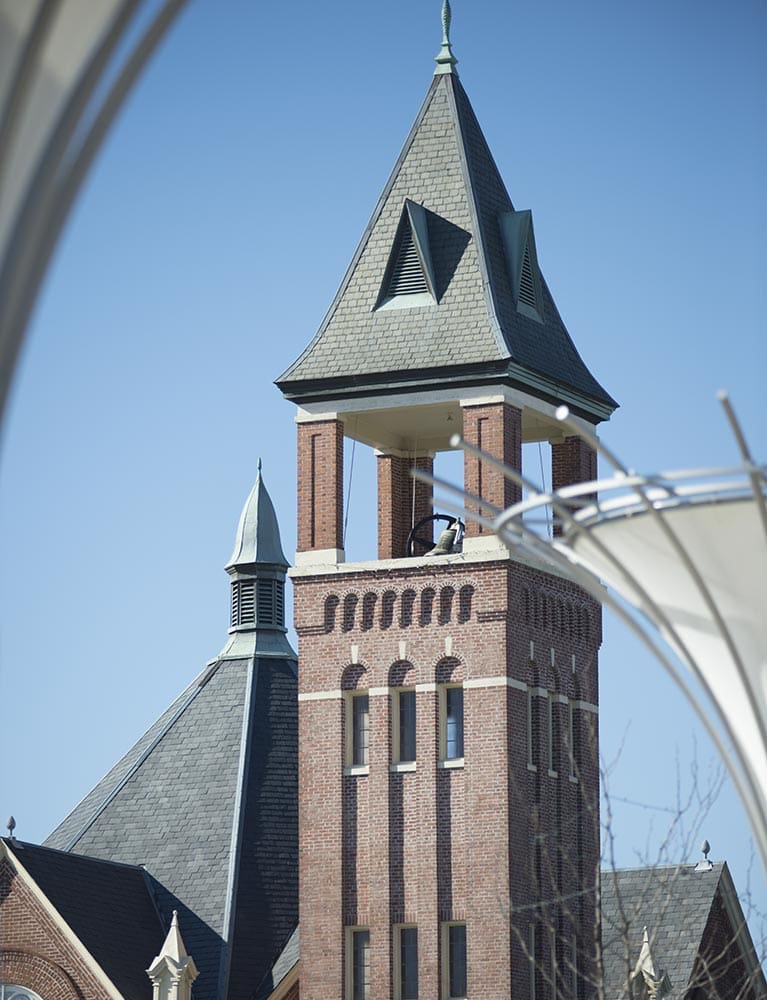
<point>445,59</point>
<point>259,465</point>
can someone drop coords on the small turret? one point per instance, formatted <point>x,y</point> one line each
<point>257,567</point>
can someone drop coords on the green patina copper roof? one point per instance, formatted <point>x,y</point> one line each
<point>471,330</point>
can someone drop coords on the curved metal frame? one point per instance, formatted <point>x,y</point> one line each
<point>579,512</point>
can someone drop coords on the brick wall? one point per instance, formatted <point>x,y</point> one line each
<point>320,485</point>
<point>34,952</point>
<point>398,510</point>
<point>496,429</point>
<point>437,844</point>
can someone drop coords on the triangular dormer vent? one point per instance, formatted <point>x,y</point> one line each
<point>409,276</point>
<point>527,282</point>
<point>522,262</point>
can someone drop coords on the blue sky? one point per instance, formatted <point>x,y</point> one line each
<point>202,255</point>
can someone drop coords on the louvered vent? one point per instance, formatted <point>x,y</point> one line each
<point>407,276</point>
<point>527,282</point>
<point>266,602</point>
<point>243,602</point>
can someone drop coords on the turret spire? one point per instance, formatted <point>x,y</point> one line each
<point>257,567</point>
<point>445,59</point>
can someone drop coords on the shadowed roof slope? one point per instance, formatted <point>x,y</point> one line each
<point>110,908</point>
<point>473,333</point>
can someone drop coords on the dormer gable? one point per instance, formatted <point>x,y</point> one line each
<point>409,276</point>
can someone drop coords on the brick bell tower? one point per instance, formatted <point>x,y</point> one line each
<point>448,773</point>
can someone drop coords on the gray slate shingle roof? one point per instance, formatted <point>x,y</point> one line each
<point>447,167</point>
<point>207,801</point>
<point>673,902</point>
<point>110,908</point>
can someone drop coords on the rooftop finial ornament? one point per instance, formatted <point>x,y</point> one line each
<point>445,60</point>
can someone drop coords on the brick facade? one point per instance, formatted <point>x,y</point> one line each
<point>496,429</point>
<point>320,485</point>
<point>398,509</point>
<point>35,952</point>
<point>388,847</point>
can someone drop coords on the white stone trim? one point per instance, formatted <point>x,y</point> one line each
<point>489,682</point>
<point>320,557</point>
<point>402,767</point>
<point>320,695</point>
<point>60,923</point>
<point>377,692</point>
<point>356,770</point>
<point>586,706</point>
<point>428,686</point>
<point>451,764</point>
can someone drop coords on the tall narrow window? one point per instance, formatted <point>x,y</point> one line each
<point>360,729</point>
<point>553,734</point>
<point>357,729</point>
<point>358,964</point>
<point>405,735</point>
<point>453,722</point>
<point>530,756</point>
<point>571,738</point>
<point>406,977</point>
<point>454,961</point>
<point>533,963</point>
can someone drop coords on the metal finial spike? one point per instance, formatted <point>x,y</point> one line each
<point>259,466</point>
<point>447,16</point>
<point>445,59</point>
<point>11,825</point>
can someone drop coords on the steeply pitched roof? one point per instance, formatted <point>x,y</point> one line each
<point>675,903</point>
<point>474,332</point>
<point>207,801</point>
<point>258,534</point>
<point>109,907</point>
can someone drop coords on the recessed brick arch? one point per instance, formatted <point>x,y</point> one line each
<point>400,673</point>
<point>49,981</point>
<point>449,670</point>
<point>352,677</point>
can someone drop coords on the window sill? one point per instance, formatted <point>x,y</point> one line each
<point>573,779</point>
<point>553,774</point>
<point>356,770</point>
<point>533,768</point>
<point>402,766</point>
<point>453,762</point>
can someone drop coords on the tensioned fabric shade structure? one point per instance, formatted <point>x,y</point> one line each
<point>680,556</point>
<point>66,66</point>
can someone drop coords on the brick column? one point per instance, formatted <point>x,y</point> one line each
<point>320,485</point>
<point>427,871</point>
<point>497,429</point>
<point>572,461</point>
<point>379,848</point>
<point>396,511</point>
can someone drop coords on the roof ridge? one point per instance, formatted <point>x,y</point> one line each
<point>15,844</point>
<point>476,216</point>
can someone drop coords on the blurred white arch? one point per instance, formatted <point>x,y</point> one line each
<point>683,556</point>
<point>66,66</point>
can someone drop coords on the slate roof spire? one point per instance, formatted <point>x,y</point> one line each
<point>257,567</point>
<point>445,59</point>
<point>490,320</point>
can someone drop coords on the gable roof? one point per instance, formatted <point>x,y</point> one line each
<point>676,904</point>
<point>474,333</point>
<point>109,907</point>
